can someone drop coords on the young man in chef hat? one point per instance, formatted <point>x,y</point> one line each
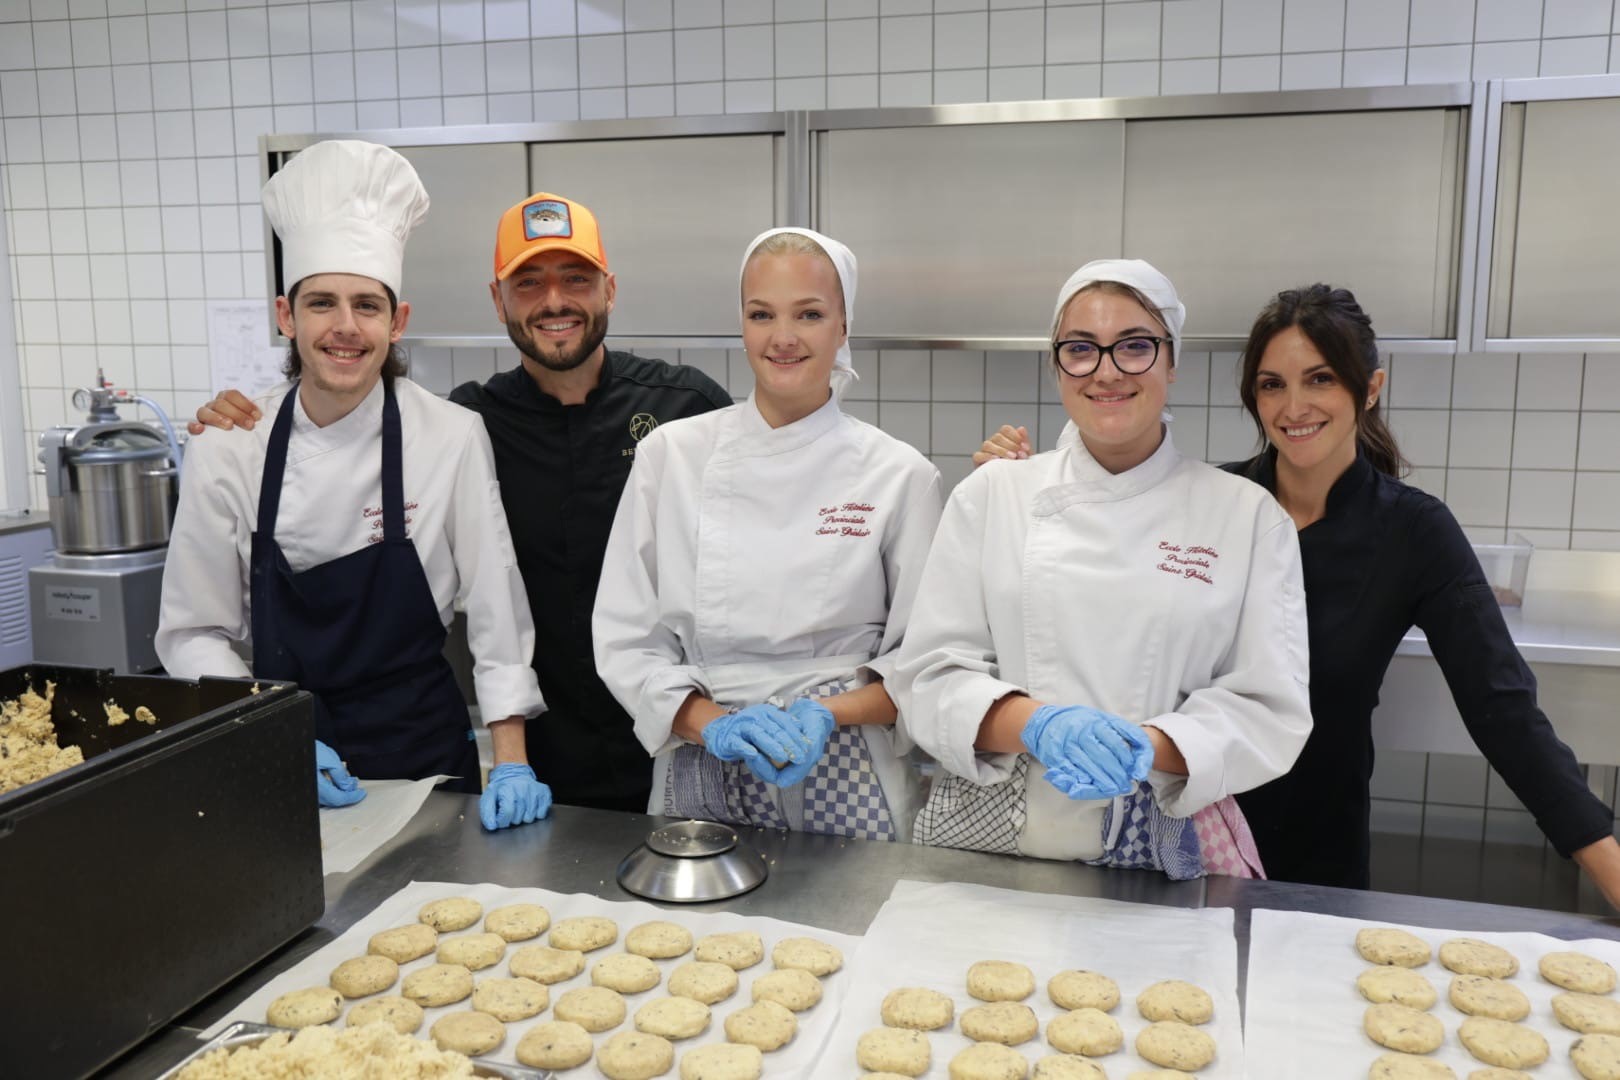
<point>337,539</point>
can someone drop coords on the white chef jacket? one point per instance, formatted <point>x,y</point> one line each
<point>748,561</point>
<point>331,505</point>
<point>1169,594</point>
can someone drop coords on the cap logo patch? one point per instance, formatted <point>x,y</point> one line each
<point>547,218</point>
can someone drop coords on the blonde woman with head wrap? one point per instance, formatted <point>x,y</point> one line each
<point>1109,640</point>
<point>760,573</point>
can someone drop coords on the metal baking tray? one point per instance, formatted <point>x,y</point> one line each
<point>247,1033</point>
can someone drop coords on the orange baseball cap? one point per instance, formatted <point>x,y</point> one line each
<point>544,222</point>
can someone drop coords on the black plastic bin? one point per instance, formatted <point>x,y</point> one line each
<point>136,884</point>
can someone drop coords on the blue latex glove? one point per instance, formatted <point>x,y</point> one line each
<point>333,784</point>
<point>815,723</point>
<point>756,736</point>
<point>1099,754</point>
<point>514,797</point>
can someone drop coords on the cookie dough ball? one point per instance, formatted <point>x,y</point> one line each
<point>1175,1000</point>
<point>1401,1028</point>
<point>454,913</point>
<point>737,951</point>
<point>470,1033</point>
<point>594,1008</point>
<point>584,933</point>
<point>1000,980</point>
<point>1181,1046</point>
<point>703,981</point>
<point>401,1014</point>
<point>1498,1042</point>
<point>807,954</point>
<point>1468,956</point>
<point>1408,1067</point>
<point>635,1055</point>
<point>364,975</point>
<point>518,922</point>
<point>475,952</point>
<point>1587,1013</point>
<point>893,1050</point>
<point>917,1008</point>
<point>989,1061</point>
<point>305,1008</point>
<point>1007,1022</point>
<point>555,1044</point>
<point>509,1000</point>
<point>722,1061</point>
<point>673,1018</point>
<point>659,940</point>
<point>1396,986</point>
<point>1577,971</point>
<point>1390,946</point>
<point>764,1024</point>
<point>1479,996</point>
<point>1091,1032</point>
<point>794,988</point>
<point>626,973</point>
<point>1067,1067</point>
<point>438,984</point>
<point>546,965</point>
<point>1597,1057</point>
<point>403,944</point>
<point>1082,990</point>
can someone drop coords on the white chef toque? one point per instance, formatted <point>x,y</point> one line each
<point>843,261</point>
<point>345,207</point>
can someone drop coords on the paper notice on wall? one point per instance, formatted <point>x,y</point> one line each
<point>240,356</point>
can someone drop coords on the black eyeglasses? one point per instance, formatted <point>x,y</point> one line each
<point>1133,355</point>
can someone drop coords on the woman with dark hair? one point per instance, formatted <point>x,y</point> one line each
<point>1379,557</point>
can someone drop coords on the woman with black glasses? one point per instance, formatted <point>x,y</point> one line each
<point>1109,641</point>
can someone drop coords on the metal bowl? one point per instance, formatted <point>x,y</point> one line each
<point>690,862</point>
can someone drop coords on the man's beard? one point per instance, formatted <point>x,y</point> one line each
<point>562,359</point>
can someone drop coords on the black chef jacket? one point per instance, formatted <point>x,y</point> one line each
<point>561,470</point>
<point>1385,557</point>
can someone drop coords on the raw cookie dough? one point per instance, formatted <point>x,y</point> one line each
<point>28,747</point>
<point>1409,1067</point>
<point>741,950</point>
<point>510,999</point>
<point>1175,1000</point>
<point>305,1008</point>
<point>989,1061</point>
<point>703,981</point>
<point>1007,1022</point>
<point>1479,996</point>
<point>1082,990</point>
<point>584,933</point>
<point>594,1008</point>
<point>1067,1067</point>
<point>475,952</point>
<point>893,1050</point>
<point>918,1008</point>
<point>659,940</point>
<point>1498,1042</point>
<point>1468,956</point>
<point>453,913</point>
<point>470,1033</point>
<point>1587,1013</point>
<point>438,984</point>
<point>794,988</point>
<point>1386,985</point>
<point>401,1014</point>
<point>555,1044</point>
<point>807,954</point>
<point>403,944</point>
<point>1577,971</point>
<point>1402,1028</point>
<point>1597,1057</point>
<point>1000,980</point>
<point>544,964</point>
<point>1179,1046</point>
<point>764,1024</point>
<point>673,1017</point>
<point>1091,1032</point>
<point>362,975</point>
<point>635,1055</point>
<point>626,973</point>
<point>517,922</point>
<point>722,1061</point>
<point>1391,946</point>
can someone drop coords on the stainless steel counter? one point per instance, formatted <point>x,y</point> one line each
<point>819,881</point>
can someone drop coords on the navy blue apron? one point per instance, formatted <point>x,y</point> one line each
<point>362,633</point>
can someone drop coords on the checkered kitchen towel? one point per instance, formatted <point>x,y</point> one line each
<point>979,817</point>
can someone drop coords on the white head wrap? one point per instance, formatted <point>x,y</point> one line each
<point>843,261</point>
<point>345,207</point>
<point>1140,276</point>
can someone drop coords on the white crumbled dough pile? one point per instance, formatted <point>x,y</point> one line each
<point>372,1052</point>
<point>28,749</point>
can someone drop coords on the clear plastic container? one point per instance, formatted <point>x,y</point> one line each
<point>1506,567</point>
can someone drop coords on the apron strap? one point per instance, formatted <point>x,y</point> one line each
<point>393,471</point>
<point>275,463</point>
